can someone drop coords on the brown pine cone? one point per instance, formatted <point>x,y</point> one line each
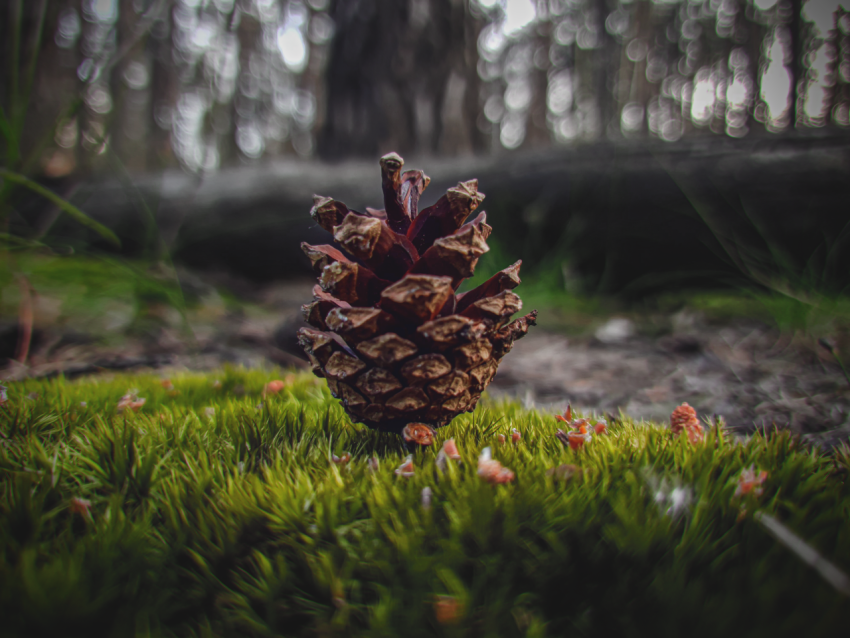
<point>396,342</point>
<point>685,418</point>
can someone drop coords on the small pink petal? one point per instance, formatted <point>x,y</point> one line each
<point>273,387</point>
<point>406,469</point>
<point>450,448</point>
<point>80,506</point>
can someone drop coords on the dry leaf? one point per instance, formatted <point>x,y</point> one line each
<point>491,470</point>
<point>575,440</point>
<point>447,609</point>
<point>406,469</point>
<point>341,460</point>
<point>80,506</point>
<point>567,416</point>
<point>418,433</point>
<point>564,472</point>
<point>130,400</point>
<point>273,387</point>
<point>750,482</point>
<point>450,448</point>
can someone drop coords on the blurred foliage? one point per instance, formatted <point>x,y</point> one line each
<point>89,285</point>
<point>567,305</point>
<point>17,164</point>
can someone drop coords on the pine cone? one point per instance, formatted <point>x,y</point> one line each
<point>395,341</point>
<point>685,418</point>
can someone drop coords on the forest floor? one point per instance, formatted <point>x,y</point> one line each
<point>751,374</point>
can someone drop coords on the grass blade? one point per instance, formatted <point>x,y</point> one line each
<point>31,67</point>
<point>65,205</point>
<point>13,241</point>
<point>6,128</point>
<point>25,321</point>
<point>13,153</point>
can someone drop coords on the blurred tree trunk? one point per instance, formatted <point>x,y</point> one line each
<point>165,87</point>
<point>798,76</point>
<point>130,87</point>
<point>402,76</point>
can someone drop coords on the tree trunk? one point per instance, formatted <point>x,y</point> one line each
<point>400,78</point>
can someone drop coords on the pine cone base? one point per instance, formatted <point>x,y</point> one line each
<point>394,340</point>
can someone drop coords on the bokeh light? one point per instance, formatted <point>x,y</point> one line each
<point>228,80</point>
<point>776,84</point>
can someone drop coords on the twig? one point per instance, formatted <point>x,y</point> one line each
<point>21,113</point>
<point>13,151</point>
<point>808,554</point>
<point>25,320</point>
<point>826,345</point>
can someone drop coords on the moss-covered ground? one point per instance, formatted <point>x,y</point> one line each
<point>217,511</point>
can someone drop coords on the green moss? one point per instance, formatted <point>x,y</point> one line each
<point>236,523</point>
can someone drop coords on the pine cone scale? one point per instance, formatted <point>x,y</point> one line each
<point>417,297</point>
<point>387,349</point>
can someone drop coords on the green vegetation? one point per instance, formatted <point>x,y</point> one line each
<point>817,316</point>
<point>236,521</point>
<point>19,163</point>
<point>87,285</point>
<point>567,307</point>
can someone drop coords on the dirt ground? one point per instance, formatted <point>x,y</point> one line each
<point>751,375</point>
